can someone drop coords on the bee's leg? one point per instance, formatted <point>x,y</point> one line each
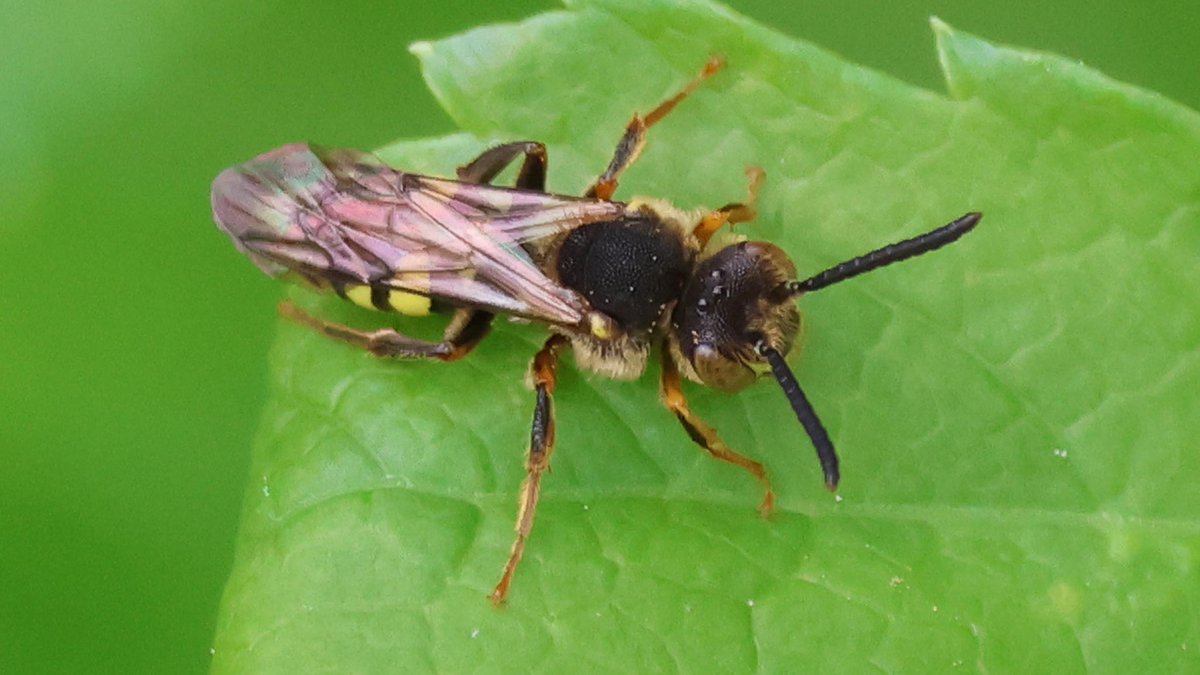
<point>634,138</point>
<point>541,444</point>
<point>704,435</point>
<point>732,213</point>
<point>488,165</point>
<point>466,330</point>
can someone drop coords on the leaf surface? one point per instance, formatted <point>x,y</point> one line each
<point>1016,414</point>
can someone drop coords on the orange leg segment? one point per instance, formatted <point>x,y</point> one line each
<point>705,436</point>
<point>743,212</point>
<point>634,138</point>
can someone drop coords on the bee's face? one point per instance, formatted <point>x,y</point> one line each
<point>736,301</point>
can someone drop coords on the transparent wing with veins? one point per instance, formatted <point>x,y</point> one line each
<point>343,216</point>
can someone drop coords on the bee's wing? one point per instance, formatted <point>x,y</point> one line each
<point>345,217</point>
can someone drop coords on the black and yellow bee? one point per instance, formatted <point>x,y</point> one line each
<point>611,280</point>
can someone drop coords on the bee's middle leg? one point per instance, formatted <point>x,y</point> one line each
<point>541,444</point>
<point>634,138</point>
<point>466,330</point>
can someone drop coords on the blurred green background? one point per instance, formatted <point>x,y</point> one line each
<point>133,337</point>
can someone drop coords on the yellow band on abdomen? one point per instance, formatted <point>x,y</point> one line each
<point>409,304</point>
<point>360,295</point>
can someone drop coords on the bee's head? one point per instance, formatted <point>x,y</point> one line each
<point>736,319</point>
<point>737,302</point>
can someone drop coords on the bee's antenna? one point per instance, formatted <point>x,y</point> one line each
<point>804,412</point>
<point>886,256</point>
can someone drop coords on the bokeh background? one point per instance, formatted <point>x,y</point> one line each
<point>133,337</point>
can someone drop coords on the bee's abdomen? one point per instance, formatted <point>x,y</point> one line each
<point>629,268</point>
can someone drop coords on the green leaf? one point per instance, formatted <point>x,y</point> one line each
<point>1016,414</point>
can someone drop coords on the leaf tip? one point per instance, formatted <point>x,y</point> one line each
<point>950,45</point>
<point>939,27</point>
<point>421,49</point>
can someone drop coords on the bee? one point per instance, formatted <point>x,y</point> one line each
<point>611,280</point>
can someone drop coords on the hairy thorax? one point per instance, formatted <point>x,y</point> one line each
<point>631,271</point>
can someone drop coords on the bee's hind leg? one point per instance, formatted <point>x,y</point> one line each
<point>489,164</point>
<point>466,330</point>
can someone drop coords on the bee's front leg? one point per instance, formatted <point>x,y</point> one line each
<point>541,444</point>
<point>705,436</point>
<point>737,212</point>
